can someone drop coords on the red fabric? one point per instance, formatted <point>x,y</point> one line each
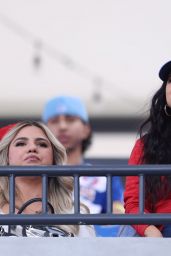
<point>5,129</point>
<point>131,195</point>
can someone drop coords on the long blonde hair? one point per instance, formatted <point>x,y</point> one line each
<point>60,188</point>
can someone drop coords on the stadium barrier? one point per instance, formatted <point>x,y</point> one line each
<point>77,217</point>
<point>100,246</point>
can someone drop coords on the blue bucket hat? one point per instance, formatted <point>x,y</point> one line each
<point>65,105</point>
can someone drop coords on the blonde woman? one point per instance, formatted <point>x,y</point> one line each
<point>31,143</point>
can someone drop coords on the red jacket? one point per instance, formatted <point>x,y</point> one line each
<point>131,195</point>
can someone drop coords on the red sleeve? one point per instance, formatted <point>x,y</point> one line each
<point>136,154</point>
<point>131,195</point>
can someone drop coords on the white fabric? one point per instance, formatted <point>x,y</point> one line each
<point>84,230</point>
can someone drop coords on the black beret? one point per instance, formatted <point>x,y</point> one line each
<point>165,71</point>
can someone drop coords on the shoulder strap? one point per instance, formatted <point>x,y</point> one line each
<point>33,200</point>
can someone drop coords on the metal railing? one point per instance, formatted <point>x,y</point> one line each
<point>77,218</point>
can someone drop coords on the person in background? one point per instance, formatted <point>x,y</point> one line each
<point>68,119</point>
<point>153,147</point>
<point>31,143</point>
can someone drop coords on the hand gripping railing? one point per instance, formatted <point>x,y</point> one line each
<point>76,172</point>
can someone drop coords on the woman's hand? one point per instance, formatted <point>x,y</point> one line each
<point>118,207</point>
<point>152,231</point>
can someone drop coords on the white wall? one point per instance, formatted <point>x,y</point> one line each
<point>111,145</point>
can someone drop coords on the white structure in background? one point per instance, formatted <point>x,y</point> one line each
<point>112,145</point>
<point>106,52</point>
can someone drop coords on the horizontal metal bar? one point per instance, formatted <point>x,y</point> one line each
<point>86,170</point>
<point>84,219</point>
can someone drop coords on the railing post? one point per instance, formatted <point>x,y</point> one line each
<point>76,194</point>
<point>109,194</point>
<point>141,193</point>
<point>44,193</point>
<point>11,193</point>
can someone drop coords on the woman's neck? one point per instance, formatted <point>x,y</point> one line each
<point>28,188</point>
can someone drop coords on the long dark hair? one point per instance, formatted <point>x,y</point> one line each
<point>155,133</point>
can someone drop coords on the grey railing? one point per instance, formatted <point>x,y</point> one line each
<point>76,172</point>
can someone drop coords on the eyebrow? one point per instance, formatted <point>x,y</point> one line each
<point>37,139</point>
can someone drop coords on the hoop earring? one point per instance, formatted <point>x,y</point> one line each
<point>166,108</point>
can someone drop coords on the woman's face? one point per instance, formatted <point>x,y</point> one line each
<point>30,147</point>
<point>168,91</point>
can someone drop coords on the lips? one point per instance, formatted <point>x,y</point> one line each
<point>32,158</point>
<point>64,139</point>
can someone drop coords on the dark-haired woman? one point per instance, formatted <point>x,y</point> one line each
<point>153,147</point>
